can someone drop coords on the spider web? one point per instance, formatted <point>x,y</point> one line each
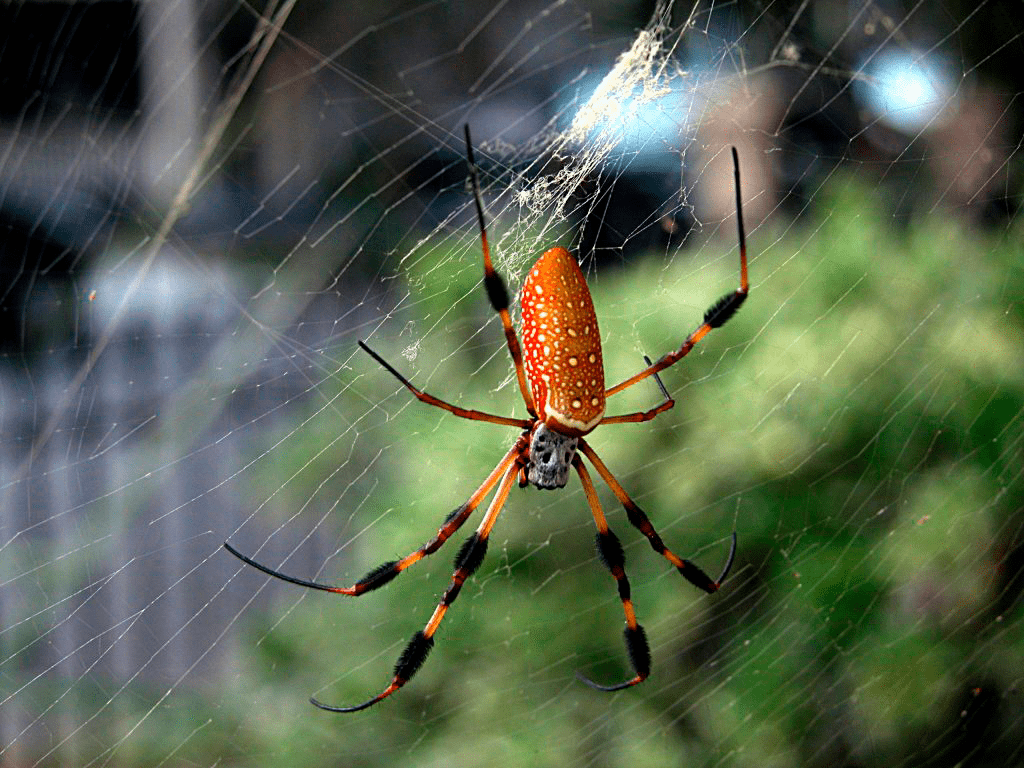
<point>205,206</point>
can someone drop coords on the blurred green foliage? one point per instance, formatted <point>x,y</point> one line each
<point>859,423</point>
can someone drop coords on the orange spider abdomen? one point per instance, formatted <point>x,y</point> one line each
<point>562,345</point>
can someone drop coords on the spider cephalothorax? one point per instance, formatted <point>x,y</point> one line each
<point>561,380</point>
<point>551,457</point>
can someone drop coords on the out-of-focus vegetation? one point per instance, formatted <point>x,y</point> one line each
<point>859,423</point>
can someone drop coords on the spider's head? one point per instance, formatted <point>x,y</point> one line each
<point>551,455</point>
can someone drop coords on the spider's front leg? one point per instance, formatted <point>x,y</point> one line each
<point>468,559</point>
<point>385,572</point>
<point>610,551</point>
<point>639,520</point>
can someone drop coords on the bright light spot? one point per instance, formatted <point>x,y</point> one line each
<point>642,121</point>
<point>906,91</point>
<point>643,106</point>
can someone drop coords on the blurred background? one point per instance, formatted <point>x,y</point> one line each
<point>203,206</point>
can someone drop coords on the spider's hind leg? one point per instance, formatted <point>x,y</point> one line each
<point>717,314</point>
<point>497,293</point>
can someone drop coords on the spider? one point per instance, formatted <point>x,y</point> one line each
<point>561,380</point>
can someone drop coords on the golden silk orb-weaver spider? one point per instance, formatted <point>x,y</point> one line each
<point>561,379</point>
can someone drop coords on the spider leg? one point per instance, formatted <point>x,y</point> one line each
<point>468,559</point>
<point>429,399</point>
<point>493,283</point>
<point>610,551</point>
<point>642,523</point>
<point>385,572</point>
<point>666,404</point>
<point>716,315</point>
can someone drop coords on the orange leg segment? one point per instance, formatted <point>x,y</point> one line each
<point>429,399</point>
<point>642,523</point>
<point>469,558</point>
<point>716,315</point>
<point>610,551</point>
<point>495,286</point>
<point>385,572</point>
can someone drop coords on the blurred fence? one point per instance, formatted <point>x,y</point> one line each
<point>111,531</point>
